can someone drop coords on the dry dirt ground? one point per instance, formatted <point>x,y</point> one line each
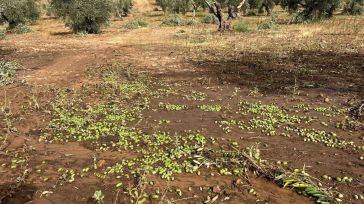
<point>287,91</point>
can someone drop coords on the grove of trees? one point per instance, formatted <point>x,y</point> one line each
<point>84,15</point>
<point>16,12</point>
<point>354,7</point>
<point>123,7</point>
<point>89,16</point>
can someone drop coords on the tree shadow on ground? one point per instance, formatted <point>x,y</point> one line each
<point>272,73</point>
<point>4,51</point>
<point>65,33</point>
<point>12,193</point>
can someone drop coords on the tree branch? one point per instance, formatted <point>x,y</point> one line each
<point>241,4</point>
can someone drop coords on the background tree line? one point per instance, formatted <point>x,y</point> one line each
<point>90,15</point>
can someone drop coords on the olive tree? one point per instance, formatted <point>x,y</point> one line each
<point>123,7</point>
<point>175,6</point>
<point>216,8</point>
<point>84,15</point>
<point>354,7</point>
<point>16,12</point>
<point>199,4</point>
<point>311,9</point>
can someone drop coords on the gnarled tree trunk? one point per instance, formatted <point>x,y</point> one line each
<point>215,8</point>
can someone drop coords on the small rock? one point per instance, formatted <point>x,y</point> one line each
<point>238,181</point>
<point>216,189</point>
<point>101,163</point>
<point>327,100</point>
<point>350,164</point>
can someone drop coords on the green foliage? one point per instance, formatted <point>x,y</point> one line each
<point>114,122</point>
<point>329,139</point>
<point>252,12</point>
<point>173,20</point>
<point>254,4</point>
<point>241,26</point>
<point>67,174</point>
<point>192,23</point>
<point>16,12</point>
<point>211,108</point>
<point>210,19</point>
<point>196,96</point>
<point>135,24</point>
<point>164,4</point>
<point>2,35</point>
<point>98,197</point>
<point>267,24</point>
<point>311,10</point>
<point>297,18</point>
<point>303,183</point>
<point>200,4</point>
<point>175,6</point>
<point>172,107</point>
<point>123,7</point>
<point>268,117</point>
<point>7,72</point>
<point>253,7</point>
<point>21,28</point>
<point>84,16</point>
<point>354,7</point>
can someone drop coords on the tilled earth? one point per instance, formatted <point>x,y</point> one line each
<point>96,118</point>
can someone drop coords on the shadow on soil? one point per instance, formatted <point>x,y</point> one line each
<point>272,73</point>
<point>5,51</point>
<point>10,194</point>
<point>67,33</point>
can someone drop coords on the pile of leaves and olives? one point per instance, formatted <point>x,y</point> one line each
<point>106,117</point>
<point>272,120</point>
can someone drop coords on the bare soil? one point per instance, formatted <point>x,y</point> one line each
<point>312,64</point>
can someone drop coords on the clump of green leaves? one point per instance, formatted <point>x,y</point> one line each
<point>303,183</point>
<point>162,154</point>
<point>98,197</point>
<point>252,12</point>
<point>18,162</point>
<point>67,175</point>
<point>254,92</point>
<point>311,10</point>
<point>22,28</point>
<point>123,7</point>
<point>192,23</point>
<point>226,125</point>
<point>210,108</point>
<point>319,136</point>
<point>84,16</point>
<point>210,19</point>
<point>267,24</point>
<point>268,117</point>
<point>173,20</point>
<point>172,107</point>
<point>175,6</point>
<point>327,111</point>
<point>196,96</point>
<point>354,7</point>
<point>241,27</point>
<point>7,72</point>
<point>135,24</point>
<point>2,35</point>
<point>91,123</point>
<point>17,12</point>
